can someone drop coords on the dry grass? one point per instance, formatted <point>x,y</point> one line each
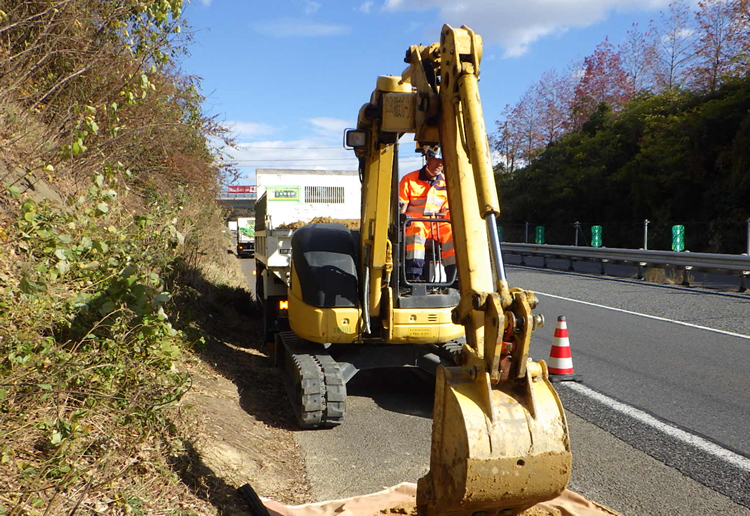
<point>668,276</point>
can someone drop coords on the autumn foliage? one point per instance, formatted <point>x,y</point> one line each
<point>655,128</point>
<point>682,50</point>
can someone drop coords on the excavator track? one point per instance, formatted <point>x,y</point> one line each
<point>313,382</point>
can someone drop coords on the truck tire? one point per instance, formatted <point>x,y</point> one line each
<point>269,319</point>
<point>267,311</point>
<point>259,285</point>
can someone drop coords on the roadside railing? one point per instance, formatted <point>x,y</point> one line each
<point>738,265</point>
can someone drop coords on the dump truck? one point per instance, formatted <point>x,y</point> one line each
<point>287,200</point>
<point>245,237</point>
<point>500,439</point>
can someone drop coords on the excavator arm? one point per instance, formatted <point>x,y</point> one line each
<point>500,440</point>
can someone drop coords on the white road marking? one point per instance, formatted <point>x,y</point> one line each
<point>704,445</point>
<point>731,334</point>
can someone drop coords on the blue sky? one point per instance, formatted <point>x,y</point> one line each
<point>289,75</point>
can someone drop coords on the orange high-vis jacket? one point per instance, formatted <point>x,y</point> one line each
<point>421,198</point>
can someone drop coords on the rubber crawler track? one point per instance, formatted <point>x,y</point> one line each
<point>313,382</point>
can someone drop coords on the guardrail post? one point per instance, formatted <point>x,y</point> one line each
<point>577,226</point>
<point>748,236</point>
<point>539,235</point>
<point>526,241</point>
<point>596,236</point>
<point>645,234</point>
<point>678,238</point>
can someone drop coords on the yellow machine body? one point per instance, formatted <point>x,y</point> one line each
<point>500,439</point>
<point>323,325</point>
<point>342,325</point>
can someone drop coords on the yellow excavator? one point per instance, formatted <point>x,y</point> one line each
<point>500,439</point>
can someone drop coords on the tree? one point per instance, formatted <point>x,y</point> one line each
<point>552,97</point>
<point>741,32</point>
<point>506,142</point>
<point>603,80</point>
<point>717,44</point>
<point>519,137</point>
<point>674,42</point>
<point>637,59</point>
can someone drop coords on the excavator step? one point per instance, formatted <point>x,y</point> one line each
<point>313,381</point>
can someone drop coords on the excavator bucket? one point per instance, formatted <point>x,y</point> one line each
<point>496,449</point>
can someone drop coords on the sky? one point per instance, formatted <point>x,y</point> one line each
<point>288,76</point>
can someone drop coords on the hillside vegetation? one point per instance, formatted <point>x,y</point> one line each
<point>673,158</point>
<point>653,125</point>
<point>108,229</point>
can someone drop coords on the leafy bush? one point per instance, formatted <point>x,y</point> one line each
<point>86,342</point>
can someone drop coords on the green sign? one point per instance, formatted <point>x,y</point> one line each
<point>283,193</point>
<point>678,238</point>
<point>539,235</point>
<point>500,233</point>
<point>596,236</point>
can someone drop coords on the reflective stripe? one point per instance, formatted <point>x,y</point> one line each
<point>416,207</point>
<point>448,249</point>
<point>415,246</point>
<point>434,202</point>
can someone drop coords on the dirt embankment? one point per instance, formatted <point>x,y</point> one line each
<point>350,223</point>
<point>237,410</point>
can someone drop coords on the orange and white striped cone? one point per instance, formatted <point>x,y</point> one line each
<point>560,363</point>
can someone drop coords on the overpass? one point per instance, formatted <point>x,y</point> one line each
<point>239,199</point>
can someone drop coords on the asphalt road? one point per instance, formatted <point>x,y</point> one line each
<point>659,425</point>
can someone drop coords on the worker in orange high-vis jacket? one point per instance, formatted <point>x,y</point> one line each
<point>423,194</point>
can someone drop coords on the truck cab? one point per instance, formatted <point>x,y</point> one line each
<point>246,237</point>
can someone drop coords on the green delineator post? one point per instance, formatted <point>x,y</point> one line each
<point>596,236</point>
<point>678,238</point>
<point>539,235</point>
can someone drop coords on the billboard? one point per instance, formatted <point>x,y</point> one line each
<point>241,189</point>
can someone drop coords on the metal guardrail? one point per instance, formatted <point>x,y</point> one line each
<point>739,264</point>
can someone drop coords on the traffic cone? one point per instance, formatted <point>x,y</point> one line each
<point>560,363</point>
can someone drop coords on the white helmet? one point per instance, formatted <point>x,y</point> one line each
<point>431,151</point>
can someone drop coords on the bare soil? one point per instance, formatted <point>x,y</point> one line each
<point>236,411</point>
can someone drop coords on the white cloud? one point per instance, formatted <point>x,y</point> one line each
<point>365,7</point>
<point>253,129</point>
<point>288,27</point>
<point>330,126</point>
<point>207,3</point>
<point>311,7</point>
<point>312,153</point>
<point>307,153</point>
<point>516,24</point>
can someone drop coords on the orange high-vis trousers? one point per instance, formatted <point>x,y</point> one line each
<point>417,234</point>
